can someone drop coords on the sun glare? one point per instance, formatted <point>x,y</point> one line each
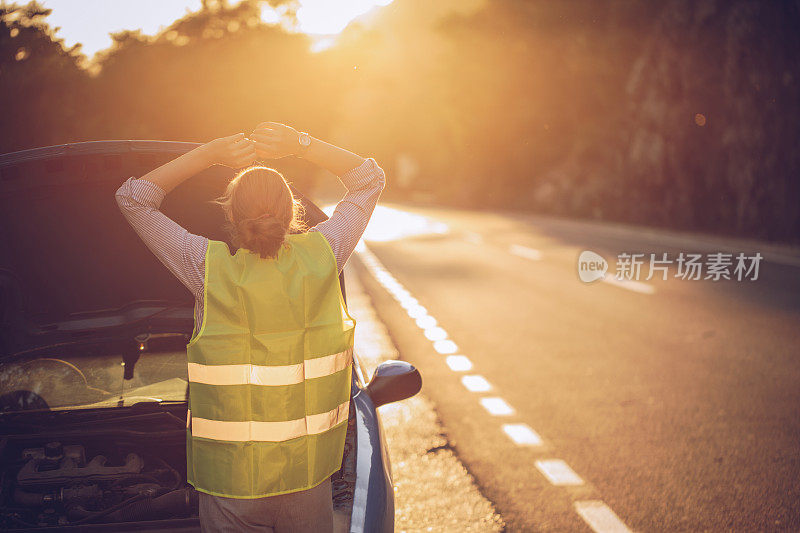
<point>389,224</point>
<point>323,17</point>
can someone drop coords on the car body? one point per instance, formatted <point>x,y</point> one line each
<point>92,353</point>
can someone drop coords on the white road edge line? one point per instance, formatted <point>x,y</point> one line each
<point>558,472</point>
<point>523,251</point>
<point>600,517</point>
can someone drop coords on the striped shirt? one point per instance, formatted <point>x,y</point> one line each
<point>183,253</point>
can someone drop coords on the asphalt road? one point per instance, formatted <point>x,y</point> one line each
<point>676,404</point>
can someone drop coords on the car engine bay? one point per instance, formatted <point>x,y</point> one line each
<point>90,472</point>
<point>99,478</point>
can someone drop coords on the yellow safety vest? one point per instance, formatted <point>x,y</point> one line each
<point>269,371</point>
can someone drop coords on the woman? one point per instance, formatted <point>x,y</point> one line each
<point>270,357</point>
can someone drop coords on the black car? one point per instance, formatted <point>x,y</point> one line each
<point>93,374</point>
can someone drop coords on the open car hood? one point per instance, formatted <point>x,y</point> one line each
<point>69,256</point>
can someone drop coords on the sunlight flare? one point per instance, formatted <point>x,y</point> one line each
<point>324,17</point>
<point>390,224</point>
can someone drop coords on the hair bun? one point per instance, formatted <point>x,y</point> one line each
<point>260,210</point>
<point>263,235</point>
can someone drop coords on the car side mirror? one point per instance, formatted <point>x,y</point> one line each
<point>393,381</point>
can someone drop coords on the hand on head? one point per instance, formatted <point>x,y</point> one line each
<point>274,140</point>
<point>235,151</point>
<point>270,140</point>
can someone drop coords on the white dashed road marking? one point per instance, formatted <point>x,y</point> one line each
<point>476,383</point>
<point>435,334</point>
<point>635,286</point>
<point>459,363</point>
<point>595,513</point>
<point>558,472</point>
<point>522,434</point>
<point>524,251</point>
<point>600,517</point>
<point>445,346</point>
<point>416,311</point>
<point>425,322</point>
<point>497,406</point>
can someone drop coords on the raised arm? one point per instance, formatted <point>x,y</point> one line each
<point>274,140</point>
<point>139,200</point>
<point>363,178</point>
<point>235,151</point>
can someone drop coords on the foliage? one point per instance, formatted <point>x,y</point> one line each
<point>671,113</point>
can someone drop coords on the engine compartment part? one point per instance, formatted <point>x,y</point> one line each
<point>112,470</point>
<point>58,469</point>
<point>67,484</point>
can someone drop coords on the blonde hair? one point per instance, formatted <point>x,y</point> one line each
<point>260,210</point>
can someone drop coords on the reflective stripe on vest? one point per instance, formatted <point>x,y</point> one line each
<point>269,431</point>
<point>270,370</point>
<point>270,375</point>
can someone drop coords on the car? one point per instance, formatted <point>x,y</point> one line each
<point>93,374</point>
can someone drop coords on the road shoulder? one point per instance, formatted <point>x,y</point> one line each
<point>433,490</point>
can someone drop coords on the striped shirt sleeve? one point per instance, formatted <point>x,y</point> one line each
<point>350,217</point>
<point>182,252</point>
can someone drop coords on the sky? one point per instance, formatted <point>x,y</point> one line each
<point>90,21</point>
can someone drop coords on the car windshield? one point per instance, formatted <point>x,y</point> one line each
<point>90,381</point>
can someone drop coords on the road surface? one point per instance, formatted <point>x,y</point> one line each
<point>644,405</point>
